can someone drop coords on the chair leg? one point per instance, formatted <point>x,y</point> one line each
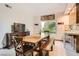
<point>32,53</point>
<point>24,55</point>
<point>16,54</point>
<point>52,48</point>
<point>47,53</point>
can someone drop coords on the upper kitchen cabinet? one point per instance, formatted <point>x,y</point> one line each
<point>73,11</point>
<point>72,15</point>
<point>77,12</point>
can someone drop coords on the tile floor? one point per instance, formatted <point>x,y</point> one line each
<point>59,50</point>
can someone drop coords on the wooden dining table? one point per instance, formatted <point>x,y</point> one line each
<point>34,39</point>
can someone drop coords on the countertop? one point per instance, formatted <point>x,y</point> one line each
<point>72,32</point>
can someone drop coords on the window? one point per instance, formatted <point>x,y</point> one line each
<point>49,26</point>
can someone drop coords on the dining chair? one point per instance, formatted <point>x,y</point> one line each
<point>21,48</point>
<point>39,48</point>
<point>47,45</point>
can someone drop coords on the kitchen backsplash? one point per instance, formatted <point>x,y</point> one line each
<point>74,27</point>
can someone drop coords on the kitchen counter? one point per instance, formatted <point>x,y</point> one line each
<point>75,35</point>
<point>73,32</point>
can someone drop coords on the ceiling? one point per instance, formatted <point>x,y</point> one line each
<point>37,8</point>
<point>69,8</point>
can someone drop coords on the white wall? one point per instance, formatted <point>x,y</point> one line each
<point>36,20</point>
<point>61,27</point>
<point>6,16</point>
<point>9,16</point>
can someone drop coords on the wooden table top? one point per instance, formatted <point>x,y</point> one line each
<point>33,38</point>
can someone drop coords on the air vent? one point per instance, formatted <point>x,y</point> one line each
<point>8,6</point>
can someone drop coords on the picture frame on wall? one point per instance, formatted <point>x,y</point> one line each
<point>48,17</point>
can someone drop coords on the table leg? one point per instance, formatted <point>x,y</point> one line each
<point>40,49</point>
